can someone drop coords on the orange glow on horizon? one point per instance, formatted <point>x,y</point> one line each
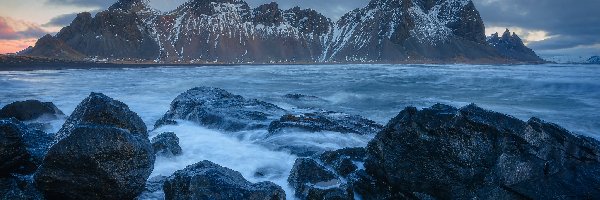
<point>12,46</point>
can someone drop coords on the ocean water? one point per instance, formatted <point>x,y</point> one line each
<point>568,95</point>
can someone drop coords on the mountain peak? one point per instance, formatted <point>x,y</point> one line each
<point>130,5</point>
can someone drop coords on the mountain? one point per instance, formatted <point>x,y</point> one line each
<point>512,46</point>
<point>594,60</point>
<point>230,31</point>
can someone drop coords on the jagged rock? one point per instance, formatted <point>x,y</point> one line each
<point>312,180</point>
<point>512,47</point>
<point>30,110</point>
<point>166,144</point>
<point>23,148</point>
<point>103,153</point>
<point>444,152</point>
<point>219,109</point>
<point>325,121</point>
<point>206,180</point>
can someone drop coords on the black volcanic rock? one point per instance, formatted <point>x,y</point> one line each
<point>512,46</point>
<point>30,110</point>
<point>101,110</point>
<point>23,148</point>
<point>325,121</point>
<point>166,144</point>
<point>102,152</point>
<point>206,180</point>
<point>311,180</point>
<point>445,152</point>
<point>219,109</point>
<point>17,188</point>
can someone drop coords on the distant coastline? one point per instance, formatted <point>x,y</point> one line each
<point>31,63</point>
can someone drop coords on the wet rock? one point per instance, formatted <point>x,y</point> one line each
<point>344,161</point>
<point>166,144</point>
<point>206,180</point>
<point>16,188</point>
<point>104,153</point>
<point>444,152</point>
<point>219,109</point>
<point>98,110</point>
<point>325,121</point>
<point>312,180</point>
<point>30,110</point>
<point>23,148</point>
<point>14,154</point>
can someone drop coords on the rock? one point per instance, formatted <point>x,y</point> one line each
<point>104,153</point>
<point>325,121</point>
<point>206,180</point>
<point>344,161</point>
<point>14,154</point>
<point>98,110</point>
<point>312,180</point>
<point>30,110</point>
<point>513,47</point>
<point>23,148</point>
<point>444,152</point>
<point>166,144</point>
<point>16,188</point>
<point>218,109</point>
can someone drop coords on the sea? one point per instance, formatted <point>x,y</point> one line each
<point>568,95</point>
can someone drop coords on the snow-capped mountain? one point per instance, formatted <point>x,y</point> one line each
<point>230,31</point>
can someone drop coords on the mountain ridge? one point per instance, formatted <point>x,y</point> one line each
<point>230,31</point>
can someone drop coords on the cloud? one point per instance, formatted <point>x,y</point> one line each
<point>91,3</point>
<point>11,29</point>
<point>568,24</point>
<point>12,46</point>
<point>65,19</point>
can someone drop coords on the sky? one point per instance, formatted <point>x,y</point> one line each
<point>550,27</point>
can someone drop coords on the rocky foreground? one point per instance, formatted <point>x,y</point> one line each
<point>442,152</point>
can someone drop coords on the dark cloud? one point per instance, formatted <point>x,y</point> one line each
<point>94,3</point>
<point>65,20</point>
<point>8,31</point>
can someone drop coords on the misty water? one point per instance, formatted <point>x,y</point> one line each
<point>568,95</point>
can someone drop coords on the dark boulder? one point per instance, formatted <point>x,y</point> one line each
<point>207,180</point>
<point>23,148</point>
<point>219,109</point>
<point>30,110</point>
<point>312,180</point>
<point>325,121</point>
<point>104,153</point>
<point>98,110</point>
<point>166,144</point>
<point>449,153</point>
